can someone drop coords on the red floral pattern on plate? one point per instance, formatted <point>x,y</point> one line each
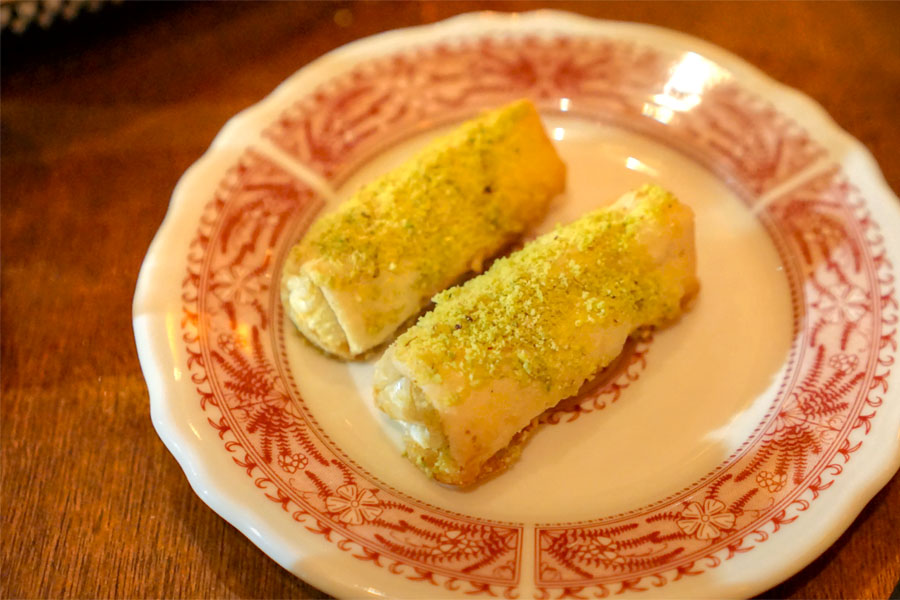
<point>841,282</point>
<point>380,101</point>
<point>232,347</point>
<point>819,420</point>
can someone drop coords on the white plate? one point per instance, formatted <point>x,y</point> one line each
<point>718,459</point>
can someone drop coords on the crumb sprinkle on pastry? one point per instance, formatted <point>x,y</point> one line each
<point>470,378</point>
<point>383,253</point>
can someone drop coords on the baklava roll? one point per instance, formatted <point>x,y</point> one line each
<point>375,262</point>
<point>469,379</point>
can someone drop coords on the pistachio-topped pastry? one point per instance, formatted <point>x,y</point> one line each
<point>472,374</point>
<point>363,270</point>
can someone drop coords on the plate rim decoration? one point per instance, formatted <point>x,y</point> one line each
<point>216,381</point>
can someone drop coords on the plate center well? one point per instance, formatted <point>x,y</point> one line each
<point>707,383</point>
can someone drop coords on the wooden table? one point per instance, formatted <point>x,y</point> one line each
<point>101,116</point>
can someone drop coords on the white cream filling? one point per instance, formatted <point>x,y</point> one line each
<point>301,294</point>
<point>312,313</point>
<point>406,403</point>
<point>420,434</point>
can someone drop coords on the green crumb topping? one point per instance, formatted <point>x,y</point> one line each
<point>424,224</point>
<point>524,319</point>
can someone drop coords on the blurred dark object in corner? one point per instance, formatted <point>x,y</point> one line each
<point>17,16</point>
<point>51,31</point>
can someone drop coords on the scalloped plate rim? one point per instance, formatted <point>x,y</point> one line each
<point>155,357</point>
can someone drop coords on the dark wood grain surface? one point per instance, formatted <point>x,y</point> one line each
<point>101,116</point>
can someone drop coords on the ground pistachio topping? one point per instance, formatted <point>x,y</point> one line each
<point>452,199</point>
<point>521,319</point>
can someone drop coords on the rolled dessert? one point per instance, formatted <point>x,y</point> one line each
<point>469,380</point>
<point>375,262</point>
